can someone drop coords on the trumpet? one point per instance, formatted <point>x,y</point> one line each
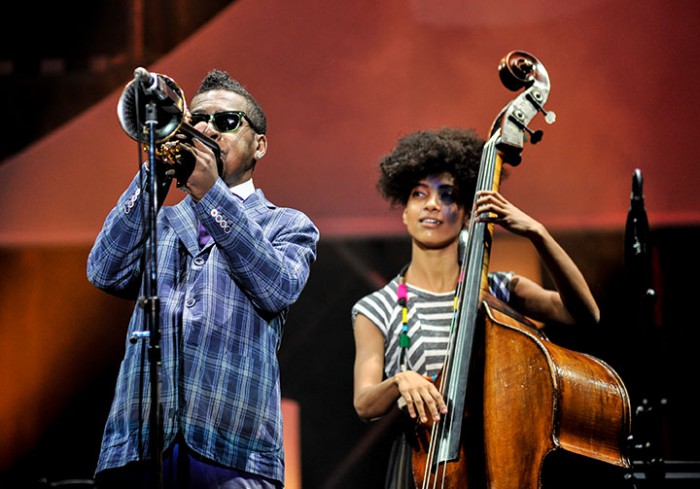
<point>148,91</point>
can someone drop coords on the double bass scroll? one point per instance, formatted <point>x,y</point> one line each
<point>520,70</point>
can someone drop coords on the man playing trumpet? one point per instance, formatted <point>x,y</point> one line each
<point>224,296</point>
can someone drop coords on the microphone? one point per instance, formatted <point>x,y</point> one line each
<point>144,76</point>
<point>637,258</point>
<point>637,224</point>
<point>157,89</point>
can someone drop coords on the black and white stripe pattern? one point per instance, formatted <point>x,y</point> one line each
<point>429,322</point>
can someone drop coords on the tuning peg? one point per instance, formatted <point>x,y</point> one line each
<point>549,117</point>
<point>535,136</point>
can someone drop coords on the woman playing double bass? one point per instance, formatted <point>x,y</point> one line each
<point>401,330</point>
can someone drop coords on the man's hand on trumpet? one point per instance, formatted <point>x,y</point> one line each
<point>205,171</point>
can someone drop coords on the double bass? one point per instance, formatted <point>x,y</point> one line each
<point>513,396</point>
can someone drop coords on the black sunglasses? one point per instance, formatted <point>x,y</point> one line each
<point>223,121</point>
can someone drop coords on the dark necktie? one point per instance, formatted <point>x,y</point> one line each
<point>203,236</point>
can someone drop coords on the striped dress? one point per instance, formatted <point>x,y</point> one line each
<point>429,320</point>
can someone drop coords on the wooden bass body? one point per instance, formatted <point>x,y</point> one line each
<point>540,397</point>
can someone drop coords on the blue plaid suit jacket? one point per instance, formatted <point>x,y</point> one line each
<point>222,310</point>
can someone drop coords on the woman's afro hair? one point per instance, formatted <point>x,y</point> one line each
<point>431,152</point>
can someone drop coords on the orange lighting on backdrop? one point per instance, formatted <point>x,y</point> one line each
<point>57,332</point>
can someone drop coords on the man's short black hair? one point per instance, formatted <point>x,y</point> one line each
<point>221,80</point>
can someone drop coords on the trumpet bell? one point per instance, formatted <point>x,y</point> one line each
<point>170,132</point>
<point>133,105</point>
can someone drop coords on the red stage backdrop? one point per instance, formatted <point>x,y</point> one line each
<point>340,81</point>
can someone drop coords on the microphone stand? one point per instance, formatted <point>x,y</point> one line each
<point>162,98</point>
<point>648,413</point>
<point>150,301</point>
